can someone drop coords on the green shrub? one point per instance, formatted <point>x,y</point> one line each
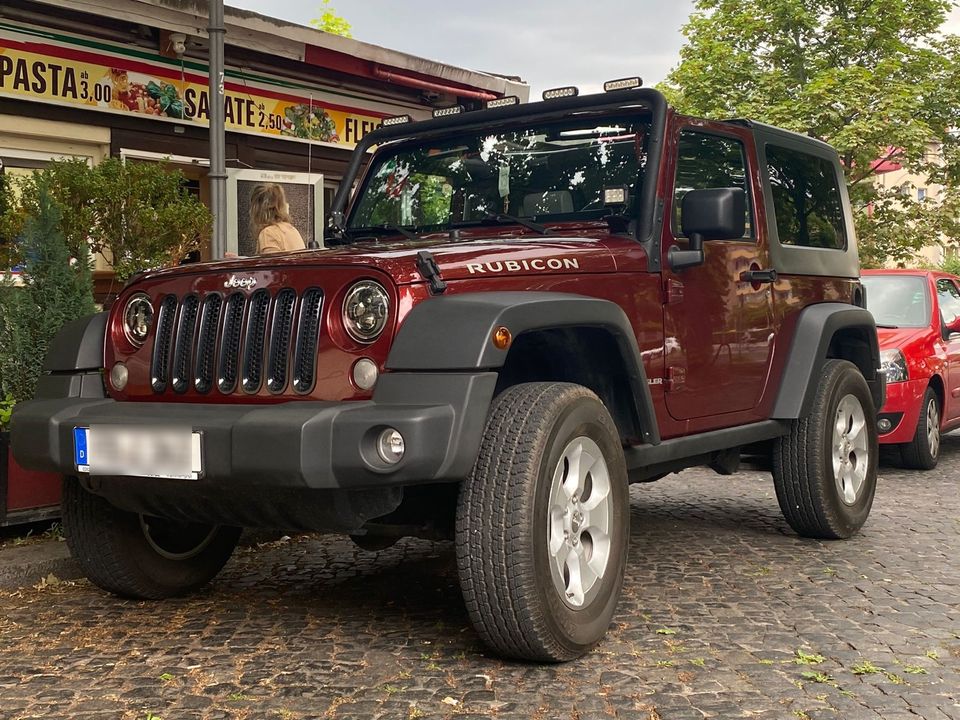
<point>951,264</point>
<point>56,289</point>
<point>11,224</point>
<point>137,215</point>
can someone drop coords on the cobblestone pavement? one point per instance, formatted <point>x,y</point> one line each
<point>726,613</point>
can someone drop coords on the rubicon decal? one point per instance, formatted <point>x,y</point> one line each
<point>511,266</point>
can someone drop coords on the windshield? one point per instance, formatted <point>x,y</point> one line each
<point>550,172</point>
<point>898,300</point>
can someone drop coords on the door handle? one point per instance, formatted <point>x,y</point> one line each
<point>759,276</point>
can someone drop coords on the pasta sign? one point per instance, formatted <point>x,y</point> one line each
<point>62,70</point>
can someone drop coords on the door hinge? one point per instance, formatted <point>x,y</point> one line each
<point>673,292</point>
<point>676,378</point>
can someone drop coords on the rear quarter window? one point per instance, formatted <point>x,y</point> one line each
<point>806,199</point>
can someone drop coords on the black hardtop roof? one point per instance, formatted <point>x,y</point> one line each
<point>649,98</point>
<point>774,132</point>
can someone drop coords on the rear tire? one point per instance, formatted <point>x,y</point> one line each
<point>543,524</point>
<point>825,468</point>
<point>923,452</point>
<point>138,556</point>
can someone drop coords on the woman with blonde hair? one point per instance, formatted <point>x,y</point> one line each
<point>270,221</point>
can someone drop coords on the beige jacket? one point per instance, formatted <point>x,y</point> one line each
<point>282,237</point>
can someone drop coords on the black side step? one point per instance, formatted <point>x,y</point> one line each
<point>691,450</point>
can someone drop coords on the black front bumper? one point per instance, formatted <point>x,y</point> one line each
<point>295,445</point>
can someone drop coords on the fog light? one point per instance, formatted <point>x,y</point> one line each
<point>884,425</point>
<point>365,373</point>
<point>390,446</point>
<point>119,376</point>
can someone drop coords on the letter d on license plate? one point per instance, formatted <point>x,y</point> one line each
<point>138,451</point>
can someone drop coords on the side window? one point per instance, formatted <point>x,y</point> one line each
<point>806,199</point>
<point>708,161</point>
<point>949,297</point>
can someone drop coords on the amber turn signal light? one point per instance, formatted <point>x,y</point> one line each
<point>502,338</point>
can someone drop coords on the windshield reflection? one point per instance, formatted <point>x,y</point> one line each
<point>551,173</point>
<point>898,300</point>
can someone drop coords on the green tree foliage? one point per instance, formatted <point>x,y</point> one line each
<point>56,289</point>
<point>138,215</point>
<point>330,22</point>
<point>11,224</point>
<point>874,79</point>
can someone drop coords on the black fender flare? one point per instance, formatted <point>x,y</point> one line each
<point>74,360</point>
<point>810,349</point>
<point>78,345</point>
<point>454,333</point>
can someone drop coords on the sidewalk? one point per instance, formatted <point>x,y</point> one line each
<point>28,564</point>
<point>25,565</point>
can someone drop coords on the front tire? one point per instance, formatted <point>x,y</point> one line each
<point>139,556</point>
<point>923,452</point>
<point>543,524</point>
<point>825,468</point>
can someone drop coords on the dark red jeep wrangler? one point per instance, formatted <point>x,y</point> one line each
<point>525,309</point>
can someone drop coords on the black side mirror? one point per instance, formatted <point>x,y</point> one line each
<point>711,214</point>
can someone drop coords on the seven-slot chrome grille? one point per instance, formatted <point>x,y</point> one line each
<point>230,341</point>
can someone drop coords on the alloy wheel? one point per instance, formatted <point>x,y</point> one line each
<point>850,449</point>
<point>579,517</point>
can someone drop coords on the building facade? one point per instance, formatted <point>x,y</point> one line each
<point>128,78</point>
<point>891,175</point>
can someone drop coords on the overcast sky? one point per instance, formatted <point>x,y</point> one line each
<point>548,42</point>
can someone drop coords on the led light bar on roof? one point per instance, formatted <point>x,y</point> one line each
<point>396,120</point>
<point>503,102</point>
<point>623,84</point>
<point>561,92</point>
<point>445,111</point>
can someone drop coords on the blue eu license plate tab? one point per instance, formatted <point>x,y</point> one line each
<point>80,453</point>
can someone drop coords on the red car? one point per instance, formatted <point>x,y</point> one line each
<point>918,321</point>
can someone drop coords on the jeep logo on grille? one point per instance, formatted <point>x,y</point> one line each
<point>240,282</point>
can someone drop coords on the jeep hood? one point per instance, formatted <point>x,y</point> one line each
<point>468,258</point>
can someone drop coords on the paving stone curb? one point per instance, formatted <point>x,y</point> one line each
<point>26,565</point>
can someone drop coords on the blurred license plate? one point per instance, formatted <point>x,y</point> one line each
<point>158,452</point>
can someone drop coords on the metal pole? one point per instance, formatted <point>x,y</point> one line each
<point>218,149</point>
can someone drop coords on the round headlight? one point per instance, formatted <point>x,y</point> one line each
<point>365,311</point>
<point>137,318</point>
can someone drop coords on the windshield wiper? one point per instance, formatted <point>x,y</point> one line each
<point>396,229</point>
<point>504,218</point>
<point>887,327</point>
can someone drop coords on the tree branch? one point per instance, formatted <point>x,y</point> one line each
<point>874,166</point>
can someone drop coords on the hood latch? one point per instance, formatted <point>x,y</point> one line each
<point>430,272</point>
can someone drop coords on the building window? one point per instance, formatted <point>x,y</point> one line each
<point>921,194</point>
